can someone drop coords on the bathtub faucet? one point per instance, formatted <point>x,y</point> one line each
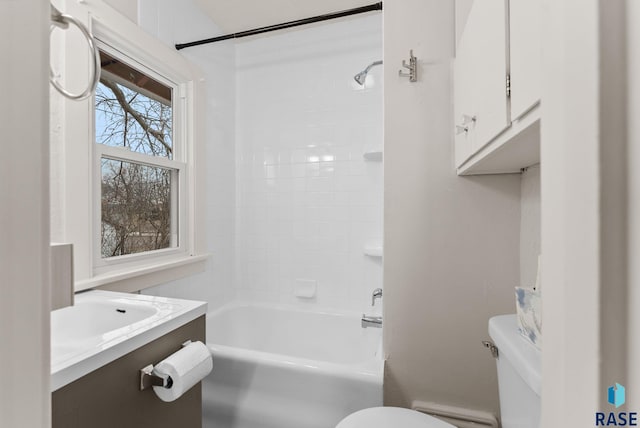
<point>377,294</point>
<point>368,321</point>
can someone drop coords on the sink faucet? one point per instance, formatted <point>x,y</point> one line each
<point>377,294</point>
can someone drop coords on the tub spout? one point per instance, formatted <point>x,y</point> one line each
<point>368,321</point>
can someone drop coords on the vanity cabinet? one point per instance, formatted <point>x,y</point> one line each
<point>497,87</point>
<point>110,396</point>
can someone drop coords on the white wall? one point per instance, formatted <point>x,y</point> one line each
<point>584,217</point>
<point>633,73</point>
<point>174,22</point>
<point>451,243</point>
<point>569,158</point>
<point>24,215</point>
<point>614,287</point>
<point>307,201</point>
<point>529,225</point>
<point>128,8</point>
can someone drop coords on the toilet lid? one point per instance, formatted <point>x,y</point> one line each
<point>391,417</point>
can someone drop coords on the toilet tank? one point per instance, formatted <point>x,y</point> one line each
<point>518,364</point>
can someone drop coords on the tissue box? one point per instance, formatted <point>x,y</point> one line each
<point>529,311</point>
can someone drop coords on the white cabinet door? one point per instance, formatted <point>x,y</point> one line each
<point>463,98</point>
<point>524,38</point>
<point>480,72</point>
<point>487,26</point>
<point>500,38</point>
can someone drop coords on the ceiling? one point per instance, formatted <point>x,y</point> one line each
<point>240,15</point>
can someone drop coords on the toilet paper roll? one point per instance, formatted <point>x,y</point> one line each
<point>186,367</point>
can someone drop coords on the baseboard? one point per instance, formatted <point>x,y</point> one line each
<point>458,416</point>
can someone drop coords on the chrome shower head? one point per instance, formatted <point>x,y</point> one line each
<point>362,76</point>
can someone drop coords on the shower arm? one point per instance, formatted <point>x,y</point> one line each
<point>373,64</point>
<point>360,77</point>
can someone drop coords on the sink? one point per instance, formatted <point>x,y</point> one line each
<point>92,318</point>
<point>103,326</point>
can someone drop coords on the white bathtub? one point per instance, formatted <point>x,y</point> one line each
<point>277,367</point>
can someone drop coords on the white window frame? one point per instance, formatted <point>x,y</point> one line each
<point>76,201</point>
<point>178,188</point>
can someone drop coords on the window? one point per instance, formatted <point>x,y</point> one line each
<point>126,165</point>
<point>138,191</point>
<point>136,204</point>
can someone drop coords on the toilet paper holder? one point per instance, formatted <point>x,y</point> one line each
<point>148,379</point>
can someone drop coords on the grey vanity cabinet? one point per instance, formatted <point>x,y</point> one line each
<point>110,397</point>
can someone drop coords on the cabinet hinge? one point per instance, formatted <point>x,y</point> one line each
<point>508,85</point>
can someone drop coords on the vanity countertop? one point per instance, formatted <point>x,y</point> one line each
<point>103,326</point>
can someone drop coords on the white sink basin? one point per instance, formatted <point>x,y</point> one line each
<point>103,326</point>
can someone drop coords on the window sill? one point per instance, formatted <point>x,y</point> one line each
<point>145,276</point>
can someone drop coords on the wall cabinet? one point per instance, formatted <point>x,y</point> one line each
<point>525,55</point>
<point>497,87</point>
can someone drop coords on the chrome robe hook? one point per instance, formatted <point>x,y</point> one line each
<point>412,67</point>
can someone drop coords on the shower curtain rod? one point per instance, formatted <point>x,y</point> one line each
<point>290,24</point>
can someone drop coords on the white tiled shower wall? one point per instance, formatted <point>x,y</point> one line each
<point>289,194</point>
<point>307,201</point>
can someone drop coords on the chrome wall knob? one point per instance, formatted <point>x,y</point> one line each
<point>468,120</point>
<point>460,129</point>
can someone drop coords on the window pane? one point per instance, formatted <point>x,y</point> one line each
<point>136,208</point>
<point>133,110</point>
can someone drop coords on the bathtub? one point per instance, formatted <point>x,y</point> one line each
<point>278,367</point>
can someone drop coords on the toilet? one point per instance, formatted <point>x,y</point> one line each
<point>391,417</point>
<point>518,366</point>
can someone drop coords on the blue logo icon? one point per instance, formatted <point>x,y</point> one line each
<point>616,395</point>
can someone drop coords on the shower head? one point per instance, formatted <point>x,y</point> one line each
<point>362,76</point>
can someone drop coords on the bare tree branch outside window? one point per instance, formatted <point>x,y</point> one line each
<point>136,198</point>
